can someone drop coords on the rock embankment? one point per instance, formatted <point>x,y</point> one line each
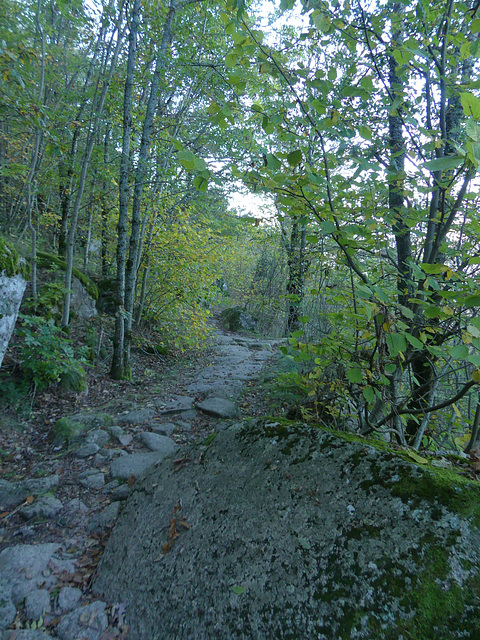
<point>290,532</point>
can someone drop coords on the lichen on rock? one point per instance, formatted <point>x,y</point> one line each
<point>13,274</point>
<point>292,532</point>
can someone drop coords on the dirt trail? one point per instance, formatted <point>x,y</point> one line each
<point>59,499</point>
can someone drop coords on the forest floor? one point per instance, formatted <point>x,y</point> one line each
<point>28,452</point>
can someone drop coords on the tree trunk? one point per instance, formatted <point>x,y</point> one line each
<point>396,179</point>
<point>133,260</point>
<point>119,370</point>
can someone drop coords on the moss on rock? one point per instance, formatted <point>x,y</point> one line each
<point>11,262</point>
<point>47,261</point>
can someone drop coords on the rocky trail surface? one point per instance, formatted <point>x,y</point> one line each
<point>63,487</point>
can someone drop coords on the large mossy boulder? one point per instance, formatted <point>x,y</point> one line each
<point>237,319</point>
<point>292,532</point>
<point>13,281</point>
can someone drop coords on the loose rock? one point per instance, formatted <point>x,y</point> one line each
<point>44,507</point>
<point>37,603</point>
<point>14,493</point>
<point>68,598</point>
<point>138,416</point>
<point>92,479</point>
<point>135,464</point>
<point>165,429</point>
<point>156,442</point>
<point>87,623</point>
<point>219,407</point>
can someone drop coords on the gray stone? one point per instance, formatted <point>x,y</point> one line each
<point>104,519</point>
<point>110,486</point>
<point>185,426</point>
<point>121,493</point>
<point>94,420</point>
<point>92,479</point>
<point>12,288</point>
<point>26,634</point>
<point>157,442</point>
<point>138,416</point>
<point>100,437</point>
<point>104,456</point>
<point>165,429</point>
<point>23,566</point>
<point>175,404</point>
<point>75,505</point>
<point>68,598</point>
<point>8,610</point>
<point>87,450</point>
<point>44,507</point>
<point>37,603</point>
<point>218,388</point>
<point>82,303</point>
<point>189,415</point>
<point>85,623</point>
<point>219,407</point>
<point>273,550</point>
<point>115,431</point>
<point>126,439</point>
<point>135,464</point>
<point>14,493</point>
<point>61,567</point>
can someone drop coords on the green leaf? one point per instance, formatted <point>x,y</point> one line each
<point>458,352</point>
<point>369,394</point>
<point>230,60</point>
<point>471,105</point>
<point>474,359</point>
<point>432,312</point>
<point>294,158</point>
<point>238,590</point>
<point>272,161</point>
<point>415,342</point>
<point>443,164</point>
<point>472,301</point>
<point>365,132</point>
<point>318,106</point>
<point>304,319</point>
<point>298,334</point>
<point>355,375</point>
<point>396,343</point>
<point>473,331</point>
<point>432,268</point>
<point>311,239</point>
<point>200,183</point>
<point>187,159</point>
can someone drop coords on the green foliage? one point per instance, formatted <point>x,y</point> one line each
<point>49,301</point>
<point>48,356</point>
<point>14,392</point>
<point>49,261</point>
<point>11,262</point>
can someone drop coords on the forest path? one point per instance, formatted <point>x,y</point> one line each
<point>64,494</point>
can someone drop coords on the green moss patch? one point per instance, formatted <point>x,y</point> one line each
<point>11,262</point>
<point>47,261</point>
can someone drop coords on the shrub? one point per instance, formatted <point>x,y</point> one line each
<point>48,356</point>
